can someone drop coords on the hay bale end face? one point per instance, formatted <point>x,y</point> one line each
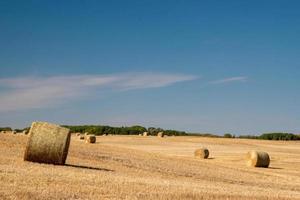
<point>202,153</point>
<point>160,134</point>
<point>258,159</point>
<point>47,143</point>
<point>90,139</point>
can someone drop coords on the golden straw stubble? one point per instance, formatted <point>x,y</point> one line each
<point>47,143</point>
<point>202,153</point>
<point>258,159</point>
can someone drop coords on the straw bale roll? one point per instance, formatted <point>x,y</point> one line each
<point>90,139</point>
<point>202,153</point>
<point>145,134</point>
<point>160,134</point>
<point>258,159</point>
<point>47,143</point>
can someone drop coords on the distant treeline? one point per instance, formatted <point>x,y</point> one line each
<point>132,130</point>
<point>205,135</point>
<point>267,136</point>
<point>5,129</point>
<point>17,130</point>
<point>135,130</point>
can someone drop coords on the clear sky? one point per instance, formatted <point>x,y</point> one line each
<point>199,66</point>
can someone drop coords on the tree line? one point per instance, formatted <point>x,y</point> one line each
<point>5,129</point>
<point>266,136</point>
<point>132,130</point>
<point>135,130</point>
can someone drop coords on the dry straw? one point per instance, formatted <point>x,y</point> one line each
<point>202,153</point>
<point>160,134</point>
<point>47,143</point>
<point>258,159</point>
<point>90,139</point>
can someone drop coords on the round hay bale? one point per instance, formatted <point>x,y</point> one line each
<point>90,139</point>
<point>258,159</point>
<point>145,134</point>
<point>47,143</point>
<point>202,153</point>
<point>160,134</point>
<point>78,134</point>
<point>140,134</point>
<point>81,137</point>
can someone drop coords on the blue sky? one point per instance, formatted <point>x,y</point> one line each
<point>199,66</point>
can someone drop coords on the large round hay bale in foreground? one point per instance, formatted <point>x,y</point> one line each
<point>160,134</point>
<point>90,139</point>
<point>258,159</point>
<point>47,143</point>
<point>202,153</point>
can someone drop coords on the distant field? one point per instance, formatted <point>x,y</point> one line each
<point>133,167</point>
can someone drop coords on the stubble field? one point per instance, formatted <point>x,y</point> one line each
<point>133,167</point>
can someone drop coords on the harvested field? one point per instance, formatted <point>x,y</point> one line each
<point>133,167</point>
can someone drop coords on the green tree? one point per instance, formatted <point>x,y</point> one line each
<point>227,135</point>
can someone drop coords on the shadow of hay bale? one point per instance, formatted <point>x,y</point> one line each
<point>88,167</point>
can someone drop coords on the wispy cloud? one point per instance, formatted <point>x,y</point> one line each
<point>38,92</point>
<point>229,80</point>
